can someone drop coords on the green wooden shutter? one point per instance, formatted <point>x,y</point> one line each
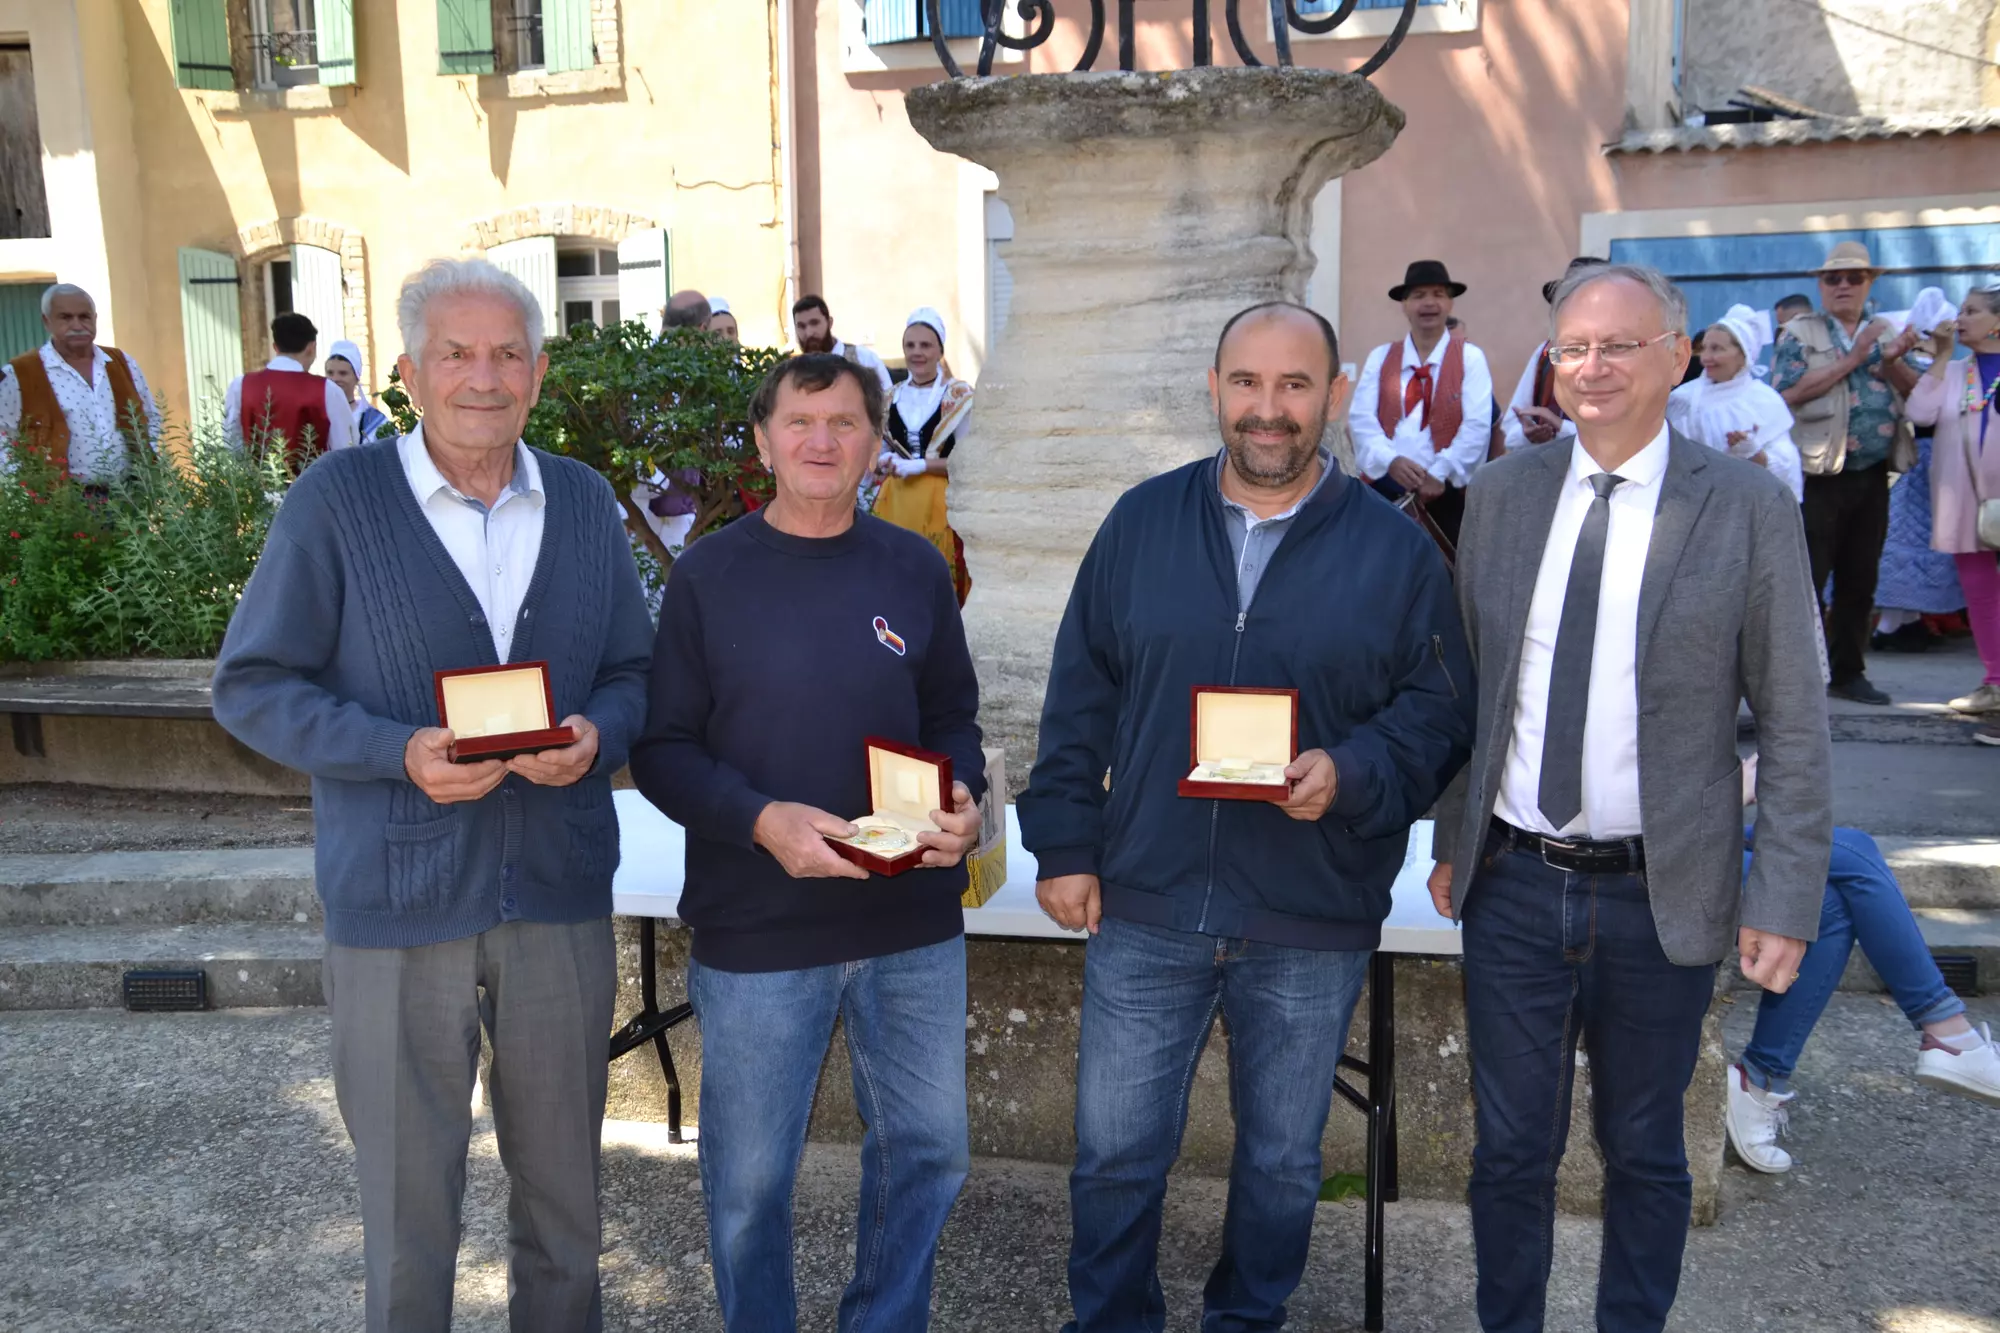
<point>21,318</point>
<point>566,40</point>
<point>201,44</point>
<point>465,36</point>
<point>335,41</point>
<point>211,331</point>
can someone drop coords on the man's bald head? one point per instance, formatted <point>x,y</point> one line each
<point>686,309</point>
<point>1285,311</point>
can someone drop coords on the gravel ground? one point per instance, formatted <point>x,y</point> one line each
<point>54,817</point>
<point>189,1172</point>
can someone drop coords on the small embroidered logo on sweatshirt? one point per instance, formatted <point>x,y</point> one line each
<point>888,638</point>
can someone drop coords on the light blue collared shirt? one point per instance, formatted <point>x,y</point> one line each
<point>1254,540</point>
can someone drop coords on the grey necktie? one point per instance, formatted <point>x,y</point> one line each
<point>1561,794</point>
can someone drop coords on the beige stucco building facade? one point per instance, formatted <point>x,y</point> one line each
<point>191,212</point>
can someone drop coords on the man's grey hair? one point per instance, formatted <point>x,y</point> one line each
<point>462,277</point>
<point>1673,305</point>
<point>51,292</point>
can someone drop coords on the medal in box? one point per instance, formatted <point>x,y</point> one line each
<point>1240,741</point>
<point>497,712</point>
<point>904,785</point>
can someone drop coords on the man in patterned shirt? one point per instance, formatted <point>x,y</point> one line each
<point>85,405</point>
<point>1844,378</point>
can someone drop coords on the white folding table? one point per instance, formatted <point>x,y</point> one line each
<point>648,886</point>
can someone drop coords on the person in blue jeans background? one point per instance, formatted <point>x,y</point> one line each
<point>1865,906</point>
<point>1260,566</point>
<point>785,641</point>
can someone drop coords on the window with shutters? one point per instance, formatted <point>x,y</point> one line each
<point>269,45</point>
<point>21,318</point>
<point>306,280</point>
<point>24,199</point>
<point>877,35</point>
<point>530,42</point>
<point>888,21</point>
<point>586,282</point>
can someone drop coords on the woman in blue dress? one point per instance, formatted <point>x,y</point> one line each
<point>1915,580</point>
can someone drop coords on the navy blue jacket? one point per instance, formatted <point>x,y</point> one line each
<point>1355,611</point>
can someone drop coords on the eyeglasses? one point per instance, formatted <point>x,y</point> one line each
<point>1850,277</point>
<point>1573,354</point>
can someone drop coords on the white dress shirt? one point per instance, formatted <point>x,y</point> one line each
<point>1374,450</point>
<point>96,446</point>
<point>862,356</point>
<point>341,432</point>
<point>1611,724</point>
<point>495,548</point>
<point>1524,396</point>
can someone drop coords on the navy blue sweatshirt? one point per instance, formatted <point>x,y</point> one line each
<point>1355,611</point>
<point>768,673</point>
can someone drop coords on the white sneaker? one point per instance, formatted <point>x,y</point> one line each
<point>1973,1073</point>
<point>1985,699</point>
<point>1756,1119</point>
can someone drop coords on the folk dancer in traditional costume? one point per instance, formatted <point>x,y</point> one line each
<point>1728,407</point>
<point>83,405</point>
<point>927,412</point>
<point>1533,415</point>
<point>1422,416</point>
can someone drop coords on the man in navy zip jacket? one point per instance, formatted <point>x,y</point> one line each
<point>1262,566</point>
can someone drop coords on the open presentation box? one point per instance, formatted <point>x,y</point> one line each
<point>904,785</point>
<point>1240,740</point>
<point>497,712</point>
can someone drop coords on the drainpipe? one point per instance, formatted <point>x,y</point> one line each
<point>785,128</point>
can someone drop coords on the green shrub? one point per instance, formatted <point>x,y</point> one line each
<point>153,568</point>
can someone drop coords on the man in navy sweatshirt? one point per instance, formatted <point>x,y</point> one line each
<point>785,640</point>
<point>1260,566</point>
<point>456,894</point>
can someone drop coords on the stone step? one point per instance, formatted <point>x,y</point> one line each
<point>1956,872</point>
<point>169,888</point>
<point>1952,932</point>
<point>249,964</point>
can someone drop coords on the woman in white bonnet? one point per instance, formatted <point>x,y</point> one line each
<point>1730,409</point>
<point>927,414</point>
<point>721,320</point>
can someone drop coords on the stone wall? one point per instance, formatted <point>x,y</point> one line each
<point>1023,1005</point>
<point>1857,58</point>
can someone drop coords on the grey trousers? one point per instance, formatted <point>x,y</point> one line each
<point>405,1051</point>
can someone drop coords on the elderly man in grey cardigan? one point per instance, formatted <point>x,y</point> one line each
<point>456,894</point>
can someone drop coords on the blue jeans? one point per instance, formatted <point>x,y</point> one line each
<point>1150,996</point>
<point>1551,956</point>
<point>1865,906</point>
<point>764,1036</point>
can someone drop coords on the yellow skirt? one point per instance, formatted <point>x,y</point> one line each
<point>918,503</point>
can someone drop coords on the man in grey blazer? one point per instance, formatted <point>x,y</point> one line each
<point>1621,593</point>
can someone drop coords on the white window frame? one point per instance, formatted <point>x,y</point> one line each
<point>1375,24</point>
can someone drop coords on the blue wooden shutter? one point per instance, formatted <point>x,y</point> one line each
<point>886,21</point>
<point>201,44</point>
<point>465,36</point>
<point>961,18</point>
<point>335,41</point>
<point>211,331</point>
<point>566,41</point>
<point>21,318</point>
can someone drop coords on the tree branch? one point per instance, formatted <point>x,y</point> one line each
<point>635,520</point>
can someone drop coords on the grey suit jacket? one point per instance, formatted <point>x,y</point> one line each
<point>1726,612</point>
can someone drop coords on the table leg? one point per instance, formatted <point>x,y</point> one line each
<point>649,1024</point>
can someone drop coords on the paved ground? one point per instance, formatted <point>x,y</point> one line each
<point>189,1172</point>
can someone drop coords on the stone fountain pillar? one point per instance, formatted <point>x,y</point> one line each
<point>1148,208</point>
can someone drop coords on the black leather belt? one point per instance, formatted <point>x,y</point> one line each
<point>1614,856</point>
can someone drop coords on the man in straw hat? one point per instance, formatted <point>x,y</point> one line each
<point>1843,375</point>
<point>1422,415</point>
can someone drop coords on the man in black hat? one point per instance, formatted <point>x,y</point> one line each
<point>1422,414</point>
<point>1533,414</point>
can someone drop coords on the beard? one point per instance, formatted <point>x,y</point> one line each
<point>823,343</point>
<point>1271,465</point>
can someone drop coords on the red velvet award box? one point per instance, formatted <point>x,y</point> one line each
<point>904,785</point>
<point>497,712</point>
<point>1240,739</point>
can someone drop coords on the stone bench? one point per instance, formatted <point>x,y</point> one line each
<point>140,724</point>
<point>1024,983</point>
